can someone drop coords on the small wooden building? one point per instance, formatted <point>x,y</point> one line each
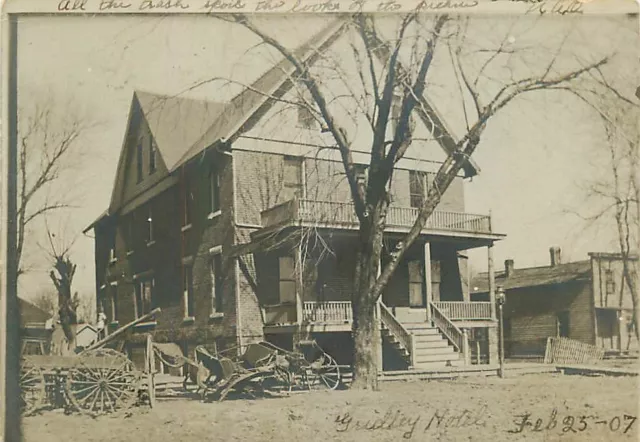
<point>35,328</point>
<point>588,301</point>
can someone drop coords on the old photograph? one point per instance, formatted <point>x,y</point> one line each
<point>249,221</point>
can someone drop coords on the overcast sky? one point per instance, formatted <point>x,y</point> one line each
<point>534,156</point>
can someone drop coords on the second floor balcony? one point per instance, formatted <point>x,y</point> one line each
<point>331,214</point>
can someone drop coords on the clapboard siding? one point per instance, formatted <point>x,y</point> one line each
<point>531,314</point>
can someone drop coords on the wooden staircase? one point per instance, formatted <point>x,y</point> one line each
<point>422,345</point>
<point>432,350</point>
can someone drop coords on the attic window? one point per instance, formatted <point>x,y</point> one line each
<point>609,282</point>
<point>306,119</point>
<point>152,155</point>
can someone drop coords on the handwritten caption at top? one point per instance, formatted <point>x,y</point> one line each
<point>212,6</point>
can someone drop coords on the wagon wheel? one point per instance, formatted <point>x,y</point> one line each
<point>32,388</point>
<point>104,381</point>
<point>324,373</point>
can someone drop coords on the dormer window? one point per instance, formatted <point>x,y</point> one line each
<point>306,119</point>
<point>152,155</point>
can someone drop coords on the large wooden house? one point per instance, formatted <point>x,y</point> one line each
<point>235,218</point>
<point>586,300</point>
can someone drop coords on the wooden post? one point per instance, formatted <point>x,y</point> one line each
<point>412,350</point>
<point>427,278</point>
<point>492,280</point>
<point>466,354</point>
<point>300,285</point>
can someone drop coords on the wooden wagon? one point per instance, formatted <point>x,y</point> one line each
<point>263,366</point>
<point>96,381</point>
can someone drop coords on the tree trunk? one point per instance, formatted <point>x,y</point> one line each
<point>367,344</point>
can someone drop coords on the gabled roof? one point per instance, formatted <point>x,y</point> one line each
<point>177,122</point>
<point>534,276</point>
<point>275,82</point>
<point>31,313</point>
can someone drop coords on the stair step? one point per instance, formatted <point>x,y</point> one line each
<point>431,343</point>
<point>435,351</point>
<point>437,358</point>
<point>435,365</point>
<point>429,338</point>
<point>425,332</point>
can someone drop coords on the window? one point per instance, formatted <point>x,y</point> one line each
<point>306,118</point>
<point>417,188</point>
<point>188,201</point>
<point>215,270</point>
<point>415,284</point>
<point>214,191</point>
<point>361,176</point>
<point>287,280</point>
<point>150,227</point>
<point>152,155</point>
<point>112,248</point>
<point>563,324</point>
<point>144,297</point>
<point>610,284</point>
<point>139,156</point>
<point>187,292</point>
<point>396,108</point>
<point>113,302</point>
<point>293,182</point>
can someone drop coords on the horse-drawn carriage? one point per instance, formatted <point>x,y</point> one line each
<point>97,380</point>
<point>261,367</point>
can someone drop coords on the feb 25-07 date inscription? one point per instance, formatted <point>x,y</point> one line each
<point>569,423</point>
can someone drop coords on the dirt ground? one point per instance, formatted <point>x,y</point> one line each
<point>565,408</point>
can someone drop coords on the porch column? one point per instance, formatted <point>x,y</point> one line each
<point>427,278</point>
<point>492,280</point>
<point>300,286</point>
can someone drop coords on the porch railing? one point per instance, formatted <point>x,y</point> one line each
<point>342,214</point>
<point>448,328</point>
<point>328,312</point>
<point>396,328</point>
<point>465,311</point>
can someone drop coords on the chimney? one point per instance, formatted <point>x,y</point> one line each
<point>508,267</point>
<point>556,259</point>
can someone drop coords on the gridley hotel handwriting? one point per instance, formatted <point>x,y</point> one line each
<point>410,425</point>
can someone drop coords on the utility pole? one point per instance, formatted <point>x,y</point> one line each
<point>500,299</point>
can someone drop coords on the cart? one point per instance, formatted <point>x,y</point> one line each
<point>264,366</point>
<point>96,381</point>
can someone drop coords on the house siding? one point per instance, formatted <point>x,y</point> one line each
<point>532,314</point>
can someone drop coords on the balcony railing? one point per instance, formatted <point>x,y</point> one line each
<point>465,311</point>
<point>334,312</point>
<point>342,214</point>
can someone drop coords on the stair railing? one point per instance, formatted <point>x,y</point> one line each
<point>449,329</point>
<point>404,337</point>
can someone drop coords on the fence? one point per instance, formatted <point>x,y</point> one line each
<point>567,351</point>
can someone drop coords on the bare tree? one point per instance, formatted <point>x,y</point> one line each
<point>47,301</point>
<point>393,58</point>
<point>47,144</point>
<point>616,192</point>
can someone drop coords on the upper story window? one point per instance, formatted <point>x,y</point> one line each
<point>306,119</point>
<point>187,292</point>
<point>112,248</point>
<point>287,286</point>
<point>144,301</point>
<point>293,177</point>
<point>610,284</point>
<point>214,191</point>
<point>113,301</point>
<point>215,271</point>
<point>139,160</point>
<point>417,188</point>
<point>361,175</point>
<point>152,155</point>
<point>396,108</point>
